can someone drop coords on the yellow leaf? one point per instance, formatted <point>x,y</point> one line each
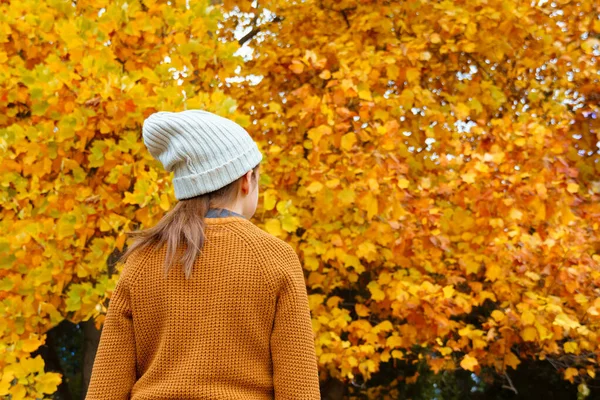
<point>274,107</point>
<point>314,187</point>
<point>571,347</point>
<point>571,373</point>
<point>581,298</point>
<point>512,360</point>
<point>468,47</point>
<point>563,320</point>
<point>120,242</point>
<point>289,223</point>
<point>393,71</point>
<point>362,310</point>
<point>48,382</point>
<point>498,315</point>
<point>527,318</point>
<point>311,262</point>
<point>297,67</point>
<point>376,293</point>
<point>446,351</point>
<point>66,225</point>
<point>270,199</point>
<point>384,326</point>
<point>591,372</point>
<point>469,363</point>
<point>334,301</point>
<point>273,226</point>
<point>33,364</point>
<point>365,95</point>
<point>18,392</point>
<point>515,214</point>
<point>315,300</point>
<point>493,272</point>
<point>583,389</point>
<point>572,187</point>
<point>385,355</point>
<point>588,45</point>
<point>164,202</point>
<point>352,361</point>
<point>5,384</point>
<point>347,196</point>
<point>520,142</point>
<point>30,345</point>
<point>407,98</point>
<point>413,74</point>
<point>371,205</point>
<point>466,331</point>
<point>316,134</point>
<point>373,184</point>
<point>462,111</point>
<point>469,177</point>
<point>397,354</point>
<point>368,251</point>
<point>403,183</point>
<point>348,140</point>
<point>367,366</point>
<point>448,291</point>
<point>315,279</point>
<point>332,183</point>
<point>354,262</point>
<point>471,266</point>
<point>532,275</point>
<point>326,358</point>
<point>543,332</point>
<point>325,74</point>
<point>275,149</point>
<point>529,334</point>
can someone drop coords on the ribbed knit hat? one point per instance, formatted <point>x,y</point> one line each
<point>205,151</point>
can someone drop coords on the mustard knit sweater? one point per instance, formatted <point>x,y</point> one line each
<point>239,328</point>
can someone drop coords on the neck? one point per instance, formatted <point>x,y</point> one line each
<point>236,208</point>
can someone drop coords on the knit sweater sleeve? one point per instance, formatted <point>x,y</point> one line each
<point>295,373</point>
<point>114,369</point>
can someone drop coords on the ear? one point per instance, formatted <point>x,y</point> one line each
<point>247,182</point>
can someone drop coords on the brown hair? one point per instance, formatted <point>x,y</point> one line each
<point>183,226</point>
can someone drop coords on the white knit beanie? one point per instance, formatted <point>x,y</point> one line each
<point>205,151</point>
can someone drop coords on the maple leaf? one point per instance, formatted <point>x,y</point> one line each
<point>469,363</point>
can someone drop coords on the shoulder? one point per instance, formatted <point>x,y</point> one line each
<point>258,240</point>
<point>268,246</point>
<point>274,254</point>
<point>134,263</point>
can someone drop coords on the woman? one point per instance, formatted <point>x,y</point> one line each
<point>232,320</point>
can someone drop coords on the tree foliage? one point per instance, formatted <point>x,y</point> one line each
<point>433,162</point>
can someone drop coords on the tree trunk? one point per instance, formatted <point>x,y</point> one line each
<point>91,338</point>
<point>52,360</point>
<point>332,389</point>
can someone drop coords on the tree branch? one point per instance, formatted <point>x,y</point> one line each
<point>249,36</point>
<point>256,29</point>
<point>510,385</point>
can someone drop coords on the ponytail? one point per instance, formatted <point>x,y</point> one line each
<point>183,226</point>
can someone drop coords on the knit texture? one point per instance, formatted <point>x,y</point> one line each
<point>204,150</point>
<point>239,328</point>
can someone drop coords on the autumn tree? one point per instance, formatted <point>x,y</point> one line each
<point>434,163</point>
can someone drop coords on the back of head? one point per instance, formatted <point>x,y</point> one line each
<point>204,150</point>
